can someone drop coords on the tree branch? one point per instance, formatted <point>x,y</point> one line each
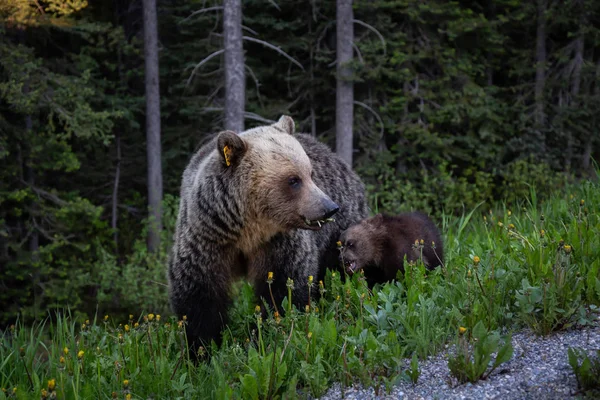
<point>201,11</point>
<point>276,48</point>
<point>372,29</point>
<point>256,83</point>
<point>207,59</point>
<point>366,107</point>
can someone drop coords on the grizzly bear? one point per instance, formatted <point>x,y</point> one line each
<point>378,245</point>
<point>266,200</point>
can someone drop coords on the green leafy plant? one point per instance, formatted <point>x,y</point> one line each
<point>586,369</point>
<point>473,359</point>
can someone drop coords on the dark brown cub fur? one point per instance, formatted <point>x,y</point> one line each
<point>378,245</point>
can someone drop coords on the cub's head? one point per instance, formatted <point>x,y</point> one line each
<point>361,244</point>
<point>277,175</point>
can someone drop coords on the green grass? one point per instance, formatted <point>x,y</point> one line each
<point>531,266</point>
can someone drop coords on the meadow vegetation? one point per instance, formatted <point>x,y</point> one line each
<point>531,265</point>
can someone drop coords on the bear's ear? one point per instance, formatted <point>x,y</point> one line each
<point>286,124</point>
<point>231,147</point>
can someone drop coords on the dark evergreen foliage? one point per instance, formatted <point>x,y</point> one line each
<point>443,119</point>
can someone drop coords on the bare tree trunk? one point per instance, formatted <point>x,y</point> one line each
<point>115,195</point>
<point>540,63</point>
<point>586,162</point>
<point>34,238</point>
<point>313,116</point>
<point>235,78</point>
<point>155,189</point>
<point>575,86</point>
<point>491,5</point>
<point>344,103</point>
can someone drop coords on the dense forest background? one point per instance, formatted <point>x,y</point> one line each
<point>455,103</point>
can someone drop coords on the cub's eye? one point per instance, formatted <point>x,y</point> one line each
<point>349,245</point>
<point>294,181</point>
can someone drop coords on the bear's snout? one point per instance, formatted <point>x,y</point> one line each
<point>330,208</point>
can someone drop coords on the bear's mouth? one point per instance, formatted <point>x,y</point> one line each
<point>317,224</point>
<point>350,266</point>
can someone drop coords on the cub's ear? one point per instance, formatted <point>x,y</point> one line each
<point>377,220</point>
<point>286,124</point>
<point>231,147</point>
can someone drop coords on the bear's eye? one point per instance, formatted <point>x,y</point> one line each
<point>349,245</point>
<point>294,181</point>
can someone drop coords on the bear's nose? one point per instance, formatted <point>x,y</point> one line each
<point>330,209</point>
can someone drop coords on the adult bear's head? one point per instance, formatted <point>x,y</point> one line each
<point>277,175</point>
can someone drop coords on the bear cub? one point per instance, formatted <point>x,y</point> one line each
<point>378,245</point>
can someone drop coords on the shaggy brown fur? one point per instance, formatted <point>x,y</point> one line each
<point>378,245</point>
<point>257,207</point>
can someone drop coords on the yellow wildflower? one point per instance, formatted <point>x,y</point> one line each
<point>511,226</point>
<point>462,329</point>
<point>157,317</point>
<point>106,317</point>
<point>307,308</point>
<point>270,275</point>
<point>542,233</point>
<point>476,260</point>
<point>257,309</point>
<point>469,274</point>
<point>568,248</point>
<point>136,324</point>
<point>421,242</point>
<point>150,317</point>
<point>310,279</point>
<point>582,202</point>
<point>127,328</point>
<point>51,384</point>
<point>500,224</point>
<point>309,335</point>
<point>126,382</point>
<point>61,360</point>
<point>80,354</point>
<point>44,394</point>
<point>128,396</point>
<point>338,243</point>
<point>66,350</point>
<point>184,318</point>
<point>509,213</point>
<point>130,316</point>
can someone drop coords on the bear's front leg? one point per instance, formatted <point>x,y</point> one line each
<point>291,255</point>
<point>200,292</point>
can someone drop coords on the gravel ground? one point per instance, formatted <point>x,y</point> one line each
<point>539,369</point>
